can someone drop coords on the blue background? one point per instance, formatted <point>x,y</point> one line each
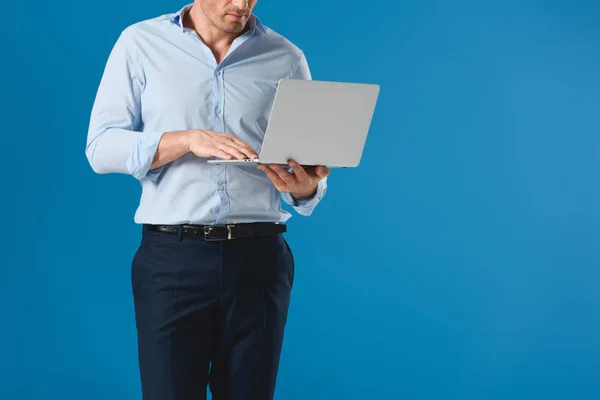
<point>460,261</point>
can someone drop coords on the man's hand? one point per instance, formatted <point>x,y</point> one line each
<point>202,143</point>
<point>302,184</point>
<point>208,144</point>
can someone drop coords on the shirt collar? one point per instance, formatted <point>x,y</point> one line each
<point>257,23</point>
<point>177,18</point>
<point>254,22</point>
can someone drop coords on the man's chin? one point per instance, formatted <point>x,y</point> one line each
<point>233,28</point>
<point>233,25</point>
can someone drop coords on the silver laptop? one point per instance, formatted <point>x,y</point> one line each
<point>316,123</point>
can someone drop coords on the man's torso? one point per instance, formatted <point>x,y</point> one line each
<point>184,88</point>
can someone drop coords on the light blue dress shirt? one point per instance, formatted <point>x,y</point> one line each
<point>161,77</point>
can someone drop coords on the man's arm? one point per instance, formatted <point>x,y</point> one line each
<point>304,203</point>
<point>115,144</point>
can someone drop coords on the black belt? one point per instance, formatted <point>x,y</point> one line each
<point>220,232</point>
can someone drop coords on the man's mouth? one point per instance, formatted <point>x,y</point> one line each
<point>236,16</point>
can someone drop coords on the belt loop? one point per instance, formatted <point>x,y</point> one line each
<point>180,232</point>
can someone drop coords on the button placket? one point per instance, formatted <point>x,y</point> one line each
<point>220,170</point>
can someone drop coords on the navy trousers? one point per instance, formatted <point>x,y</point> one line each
<point>210,314</point>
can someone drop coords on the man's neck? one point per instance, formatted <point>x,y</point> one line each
<point>216,39</point>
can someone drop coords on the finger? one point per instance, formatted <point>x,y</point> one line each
<point>228,141</point>
<point>222,154</point>
<point>238,141</point>
<point>240,145</point>
<point>289,179</point>
<point>274,177</point>
<point>229,138</point>
<point>299,171</point>
<point>248,153</point>
<point>233,151</point>
<point>322,171</point>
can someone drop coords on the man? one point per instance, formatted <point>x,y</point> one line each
<point>213,274</point>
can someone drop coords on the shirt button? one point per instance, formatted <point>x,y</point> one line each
<point>221,188</point>
<point>218,111</point>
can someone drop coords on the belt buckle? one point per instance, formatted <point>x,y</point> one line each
<point>209,229</point>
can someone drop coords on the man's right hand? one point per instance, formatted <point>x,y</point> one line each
<point>226,146</point>
<point>202,143</point>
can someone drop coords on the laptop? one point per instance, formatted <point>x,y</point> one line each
<point>316,123</point>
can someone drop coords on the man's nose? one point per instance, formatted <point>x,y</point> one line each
<point>243,4</point>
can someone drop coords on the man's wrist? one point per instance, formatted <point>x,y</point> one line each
<point>304,195</point>
<point>186,139</point>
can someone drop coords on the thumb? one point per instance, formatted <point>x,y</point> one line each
<point>322,172</point>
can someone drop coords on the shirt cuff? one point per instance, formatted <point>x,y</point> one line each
<point>306,206</point>
<point>142,154</point>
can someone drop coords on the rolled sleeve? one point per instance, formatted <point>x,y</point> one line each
<point>142,154</point>
<point>306,206</point>
<point>115,143</point>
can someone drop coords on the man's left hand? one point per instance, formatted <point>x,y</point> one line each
<point>302,184</point>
